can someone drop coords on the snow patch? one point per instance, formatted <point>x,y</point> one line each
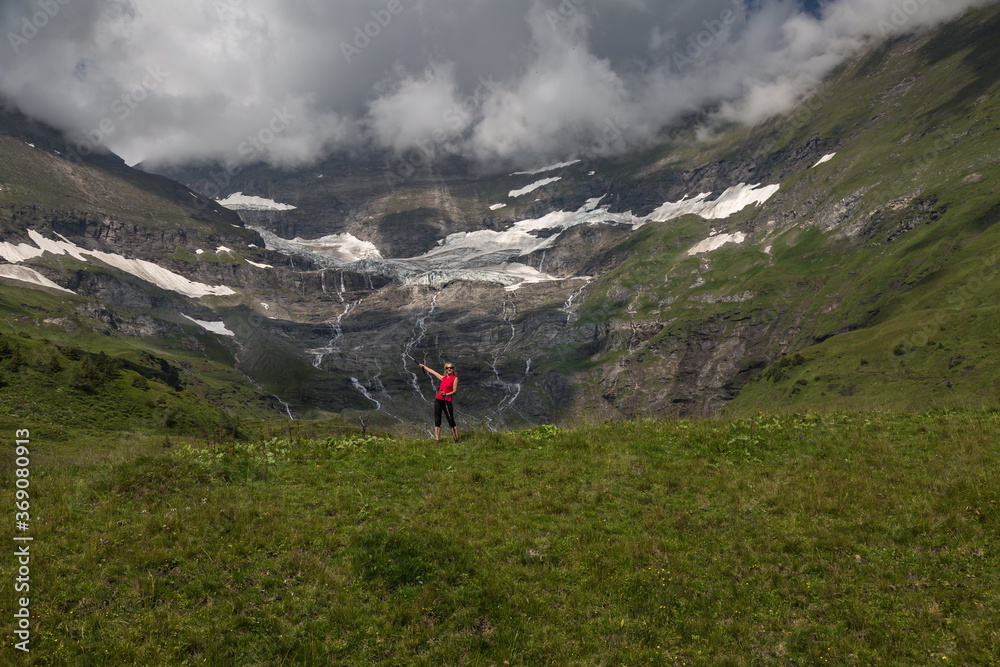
<point>214,327</point>
<point>733,200</point>
<point>514,194</point>
<point>25,275</point>
<point>15,254</point>
<point>825,158</point>
<point>716,242</point>
<point>259,266</point>
<point>242,202</point>
<point>139,268</point>
<point>551,167</point>
<point>497,207</point>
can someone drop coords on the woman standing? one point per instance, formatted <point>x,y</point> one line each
<point>442,402</point>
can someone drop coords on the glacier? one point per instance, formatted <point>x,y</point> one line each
<point>497,256</point>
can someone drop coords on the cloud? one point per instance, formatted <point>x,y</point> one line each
<point>420,110</point>
<point>563,98</point>
<point>518,83</point>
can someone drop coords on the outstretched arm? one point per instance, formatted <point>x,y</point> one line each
<point>432,372</point>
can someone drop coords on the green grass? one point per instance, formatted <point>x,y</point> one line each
<point>842,538</point>
<point>67,370</point>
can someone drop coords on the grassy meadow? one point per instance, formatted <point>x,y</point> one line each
<point>843,538</point>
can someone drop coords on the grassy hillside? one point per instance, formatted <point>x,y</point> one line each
<point>878,266</point>
<point>809,539</point>
<point>61,368</point>
<point>837,538</point>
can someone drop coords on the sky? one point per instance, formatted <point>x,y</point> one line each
<point>507,83</point>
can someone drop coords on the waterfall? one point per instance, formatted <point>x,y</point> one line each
<point>567,307</point>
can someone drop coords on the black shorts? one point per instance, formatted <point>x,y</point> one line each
<point>449,412</point>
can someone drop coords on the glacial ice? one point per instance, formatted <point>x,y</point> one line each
<point>343,248</point>
<point>242,202</point>
<point>497,256</point>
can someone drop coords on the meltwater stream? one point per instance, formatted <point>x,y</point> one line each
<point>337,332</point>
<point>418,333</point>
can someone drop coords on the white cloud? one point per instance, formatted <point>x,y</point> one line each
<point>565,77</point>
<point>420,111</point>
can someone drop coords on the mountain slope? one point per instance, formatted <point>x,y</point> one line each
<point>91,264</point>
<point>890,238</point>
<point>840,255</point>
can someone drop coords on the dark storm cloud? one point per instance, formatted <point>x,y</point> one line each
<point>514,82</point>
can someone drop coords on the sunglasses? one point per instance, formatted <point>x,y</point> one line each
<point>449,368</point>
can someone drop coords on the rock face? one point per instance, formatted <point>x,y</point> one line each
<point>523,353</point>
<point>357,329</point>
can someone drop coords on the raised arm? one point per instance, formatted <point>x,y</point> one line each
<point>432,372</point>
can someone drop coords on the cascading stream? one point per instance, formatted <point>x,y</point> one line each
<point>418,333</point>
<point>337,333</point>
<point>512,390</point>
<point>568,306</point>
